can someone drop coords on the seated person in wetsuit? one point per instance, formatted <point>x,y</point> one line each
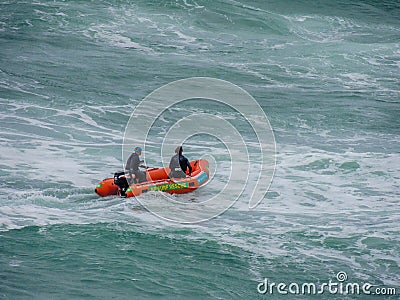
<point>132,165</point>
<point>179,164</point>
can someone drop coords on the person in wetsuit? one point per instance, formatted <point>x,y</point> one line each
<point>132,165</point>
<point>179,164</point>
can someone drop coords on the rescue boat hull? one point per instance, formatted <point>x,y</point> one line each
<point>158,180</point>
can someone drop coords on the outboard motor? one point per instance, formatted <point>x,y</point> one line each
<point>120,180</point>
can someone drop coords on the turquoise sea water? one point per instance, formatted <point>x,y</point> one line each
<point>326,74</point>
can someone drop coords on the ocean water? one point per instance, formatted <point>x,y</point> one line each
<point>327,76</point>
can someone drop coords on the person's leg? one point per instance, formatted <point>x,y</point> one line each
<point>142,176</point>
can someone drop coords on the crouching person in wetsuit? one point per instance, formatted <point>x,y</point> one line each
<point>135,175</point>
<point>132,165</point>
<point>179,164</point>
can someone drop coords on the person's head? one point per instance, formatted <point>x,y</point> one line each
<point>137,150</point>
<point>179,150</point>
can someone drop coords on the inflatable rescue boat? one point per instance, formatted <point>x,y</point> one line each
<point>156,180</point>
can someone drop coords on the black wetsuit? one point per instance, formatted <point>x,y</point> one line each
<point>178,165</point>
<point>132,165</point>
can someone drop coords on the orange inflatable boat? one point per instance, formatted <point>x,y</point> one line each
<point>157,180</point>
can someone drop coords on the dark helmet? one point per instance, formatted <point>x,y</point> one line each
<point>179,150</point>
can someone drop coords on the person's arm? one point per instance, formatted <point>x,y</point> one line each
<point>189,166</point>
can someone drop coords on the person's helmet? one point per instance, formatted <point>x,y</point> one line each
<point>179,150</point>
<point>137,149</point>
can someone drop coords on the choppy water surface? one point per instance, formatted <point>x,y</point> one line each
<point>71,72</point>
